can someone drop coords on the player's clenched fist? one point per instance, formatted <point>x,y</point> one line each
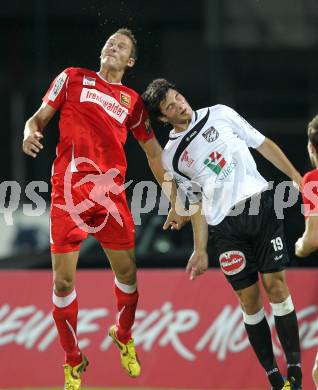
<point>31,143</point>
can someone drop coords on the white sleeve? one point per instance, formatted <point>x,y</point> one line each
<point>243,129</point>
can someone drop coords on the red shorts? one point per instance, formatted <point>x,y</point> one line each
<point>90,208</point>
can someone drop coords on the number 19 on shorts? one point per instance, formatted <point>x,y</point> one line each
<point>277,244</point>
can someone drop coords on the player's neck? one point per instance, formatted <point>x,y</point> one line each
<point>180,127</point>
<point>111,76</point>
<point>314,160</point>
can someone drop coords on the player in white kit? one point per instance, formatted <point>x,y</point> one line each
<point>209,158</point>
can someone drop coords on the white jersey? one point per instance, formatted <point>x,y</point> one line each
<point>211,161</point>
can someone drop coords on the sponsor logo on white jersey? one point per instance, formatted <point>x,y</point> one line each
<point>186,159</point>
<point>108,103</point>
<point>217,163</point>
<point>229,168</point>
<point>89,81</point>
<point>191,136</point>
<point>57,86</point>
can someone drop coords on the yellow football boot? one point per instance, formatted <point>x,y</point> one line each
<point>292,384</point>
<point>73,374</point>
<point>128,355</point>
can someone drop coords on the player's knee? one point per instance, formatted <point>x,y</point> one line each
<point>277,291</point>
<point>63,285</point>
<point>127,276</point>
<point>250,304</point>
<point>250,307</point>
<point>276,287</point>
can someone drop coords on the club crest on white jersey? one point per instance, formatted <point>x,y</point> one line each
<point>211,134</point>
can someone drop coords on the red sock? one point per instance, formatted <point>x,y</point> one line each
<point>65,311</point>
<point>126,304</point>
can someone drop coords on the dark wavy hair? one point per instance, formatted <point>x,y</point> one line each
<point>313,132</point>
<point>154,94</point>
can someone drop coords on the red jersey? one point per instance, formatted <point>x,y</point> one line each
<point>95,118</point>
<point>310,193</point>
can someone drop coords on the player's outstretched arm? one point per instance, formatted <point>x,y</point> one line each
<point>277,157</point>
<point>308,243</point>
<point>198,262</point>
<point>153,151</point>
<point>33,129</point>
<point>175,219</point>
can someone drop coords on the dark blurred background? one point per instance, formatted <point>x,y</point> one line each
<point>258,56</point>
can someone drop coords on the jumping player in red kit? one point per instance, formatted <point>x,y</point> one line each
<point>96,114</point>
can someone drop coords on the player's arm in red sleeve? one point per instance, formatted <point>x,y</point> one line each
<point>34,126</point>
<point>308,242</point>
<point>144,134</point>
<point>153,151</point>
<point>142,131</point>
<point>33,129</point>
